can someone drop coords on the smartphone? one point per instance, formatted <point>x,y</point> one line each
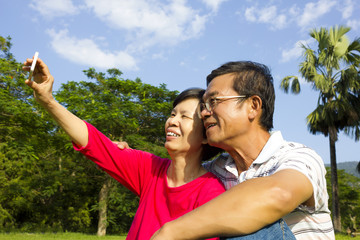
<point>32,68</point>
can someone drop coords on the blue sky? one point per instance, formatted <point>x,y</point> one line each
<point>179,42</point>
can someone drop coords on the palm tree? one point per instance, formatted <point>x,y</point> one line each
<point>333,70</point>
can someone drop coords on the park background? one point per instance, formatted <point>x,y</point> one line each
<point>178,43</point>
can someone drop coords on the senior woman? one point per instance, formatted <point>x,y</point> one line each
<point>167,188</point>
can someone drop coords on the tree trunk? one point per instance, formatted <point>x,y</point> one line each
<point>61,187</point>
<point>334,181</point>
<point>103,198</point>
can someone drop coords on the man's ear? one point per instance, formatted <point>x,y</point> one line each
<point>255,106</point>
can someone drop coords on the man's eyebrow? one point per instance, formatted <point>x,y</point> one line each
<point>211,94</point>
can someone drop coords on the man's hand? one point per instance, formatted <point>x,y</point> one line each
<point>161,234</point>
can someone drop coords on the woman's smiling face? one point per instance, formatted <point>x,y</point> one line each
<point>184,128</point>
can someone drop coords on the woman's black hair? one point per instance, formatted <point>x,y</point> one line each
<point>197,93</point>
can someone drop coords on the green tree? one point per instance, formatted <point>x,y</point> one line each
<point>333,70</point>
<point>38,175</point>
<point>123,110</point>
<point>17,124</point>
<point>349,199</point>
<point>44,184</point>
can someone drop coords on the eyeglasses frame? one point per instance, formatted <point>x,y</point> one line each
<point>209,107</point>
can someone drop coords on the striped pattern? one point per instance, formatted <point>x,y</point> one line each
<point>277,154</point>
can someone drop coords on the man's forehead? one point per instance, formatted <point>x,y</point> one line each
<point>210,93</point>
<point>221,85</point>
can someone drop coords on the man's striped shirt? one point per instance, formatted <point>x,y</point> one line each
<point>278,154</point>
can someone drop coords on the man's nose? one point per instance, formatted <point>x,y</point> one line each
<point>205,113</point>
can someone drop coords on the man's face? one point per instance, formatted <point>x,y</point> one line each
<point>227,120</point>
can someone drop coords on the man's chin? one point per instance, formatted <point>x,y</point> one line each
<point>213,141</point>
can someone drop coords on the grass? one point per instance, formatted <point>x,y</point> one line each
<point>56,236</point>
<point>81,236</point>
<point>345,237</point>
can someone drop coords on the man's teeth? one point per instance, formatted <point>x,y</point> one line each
<point>172,134</point>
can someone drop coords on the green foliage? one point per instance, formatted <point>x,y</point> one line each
<point>44,184</point>
<point>333,70</point>
<point>119,107</point>
<point>122,207</point>
<point>295,84</point>
<point>349,199</point>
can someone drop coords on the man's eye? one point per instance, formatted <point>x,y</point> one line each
<point>212,101</point>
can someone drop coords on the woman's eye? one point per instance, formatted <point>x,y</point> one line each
<point>186,116</point>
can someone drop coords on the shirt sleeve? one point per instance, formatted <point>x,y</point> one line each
<point>128,166</point>
<point>309,163</point>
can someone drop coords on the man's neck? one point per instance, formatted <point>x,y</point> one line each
<point>246,149</point>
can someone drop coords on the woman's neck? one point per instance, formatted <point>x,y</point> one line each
<point>183,170</point>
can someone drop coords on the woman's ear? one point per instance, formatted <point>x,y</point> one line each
<point>204,141</point>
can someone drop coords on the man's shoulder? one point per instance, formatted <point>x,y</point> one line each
<point>295,148</point>
<point>220,161</point>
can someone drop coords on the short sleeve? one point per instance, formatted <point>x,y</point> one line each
<point>309,163</point>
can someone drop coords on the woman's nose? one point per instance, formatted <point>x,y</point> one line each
<point>173,121</point>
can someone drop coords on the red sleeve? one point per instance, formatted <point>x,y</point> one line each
<point>129,166</point>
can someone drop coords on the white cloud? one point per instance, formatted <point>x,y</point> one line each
<point>87,52</point>
<point>143,24</point>
<point>158,56</point>
<point>54,8</point>
<point>303,16</point>
<point>347,8</point>
<point>150,22</point>
<point>295,52</point>
<point>354,24</point>
<point>314,10</point>
<point>202,58</point>
<point>250,14</point>
<point>267,15</point>
<point>213,4</point>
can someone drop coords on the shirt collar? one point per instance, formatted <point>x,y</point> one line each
<point>272,145</point>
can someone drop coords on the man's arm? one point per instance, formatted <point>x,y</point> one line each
<point>243,209</point>
<point>42,86</point>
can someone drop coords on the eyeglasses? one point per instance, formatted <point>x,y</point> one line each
<point>210,104</point>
